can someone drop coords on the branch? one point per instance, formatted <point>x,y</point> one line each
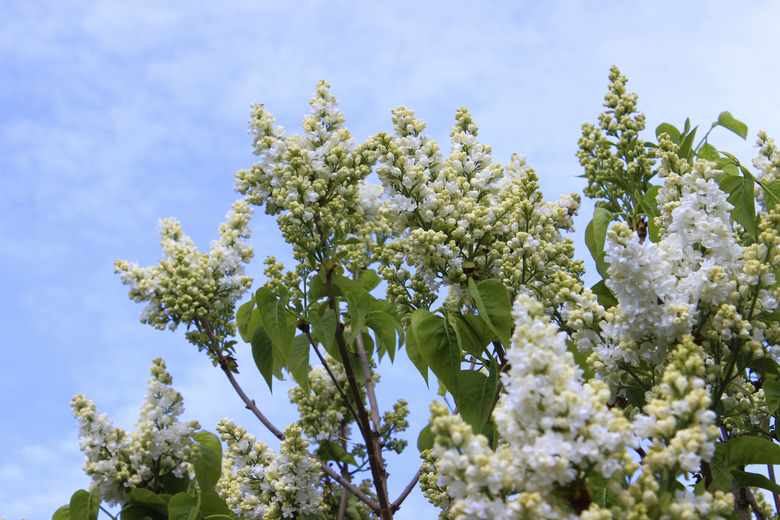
<point>333,378</point>
<point>250,404</point>
<point>378,472</point>
<point>361,350</point>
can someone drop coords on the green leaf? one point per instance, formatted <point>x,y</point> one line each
<point>148,499</point>
<point>317,287</point>
<point>491,432</point>
<point>359,305</point>
<point>726,120</point>
<point>476,396</point>
<point>649,202</point>
<point>674,134</point>
<point>742,197</point>
<point>298,361</point>
<point>596,232</point>
<point>772,393</point>
<point>173,484</point>
<point>709,152</point>
<point>369,279</point>
<point>746,479</point>
<point>274,314</point>
<point>183,507</point>
<point>333,451</point>
<point>344,287</point>
<point>412,350</point>
<point>473,333</point>
<point>440,350</point>
<point>728,163</point>
<point>263,354</point>
<point>771,193</point>
<point>85,505</point>
<point>601,494</point>
<point>746,450</point>
<point>604,295</point>
<point>211,505</point>
<point>62,513</point>
<point>325,329</point>
<point>208,465</point>
<point>581,358</point>
<point>686,147</point>
<point>425,439</point>
<point>139,512</point>
<point>721,478</point>
<point>384,326</point>
<point>495,307</point>
<point>243,316</point>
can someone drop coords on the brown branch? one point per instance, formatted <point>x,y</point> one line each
<point>378,472</point>
<point>250,404</point>
<point>771,471</point>
<point>744,502</point>
<point>369,383</point>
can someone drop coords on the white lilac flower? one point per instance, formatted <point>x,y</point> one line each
<point>160,445</point>
<point>554,430</point>
<point>188,286</point>
<point>660,286</point>
<point>258,484</point>
<point>466,216</point>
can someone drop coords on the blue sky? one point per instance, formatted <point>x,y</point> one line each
<point>115,114</point>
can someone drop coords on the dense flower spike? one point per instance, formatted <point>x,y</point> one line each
<point>159,446</point>
<point>681,430</point>
<point>617,165</point>
<point>556,433</point>
<point>466,217</point>
<point>323,414</point>
<point>191,287</point>
<point>262,485</point>
<point>312,181</point>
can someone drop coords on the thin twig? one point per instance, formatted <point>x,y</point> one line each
<point>333,378</point>
<point>250,403</point>
<point>405,493</point>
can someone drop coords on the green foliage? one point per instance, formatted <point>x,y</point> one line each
<point>439,349</point>
<point>208,465</point>
<point>84,505</point>
<point>492,300</point>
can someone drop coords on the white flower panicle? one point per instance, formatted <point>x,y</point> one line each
<point>660,287</point>
<point>767,162</point>
<point>561,422</point>
<point>465,216</point>
<point>160,445</point>
<point>323,414</point>
<point>258,484</point>
<point>681,431</point>
<point>312,181</point>
<point>188,286</point>
<point>555,432</point>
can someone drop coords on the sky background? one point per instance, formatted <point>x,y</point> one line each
<point>115,114</point>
